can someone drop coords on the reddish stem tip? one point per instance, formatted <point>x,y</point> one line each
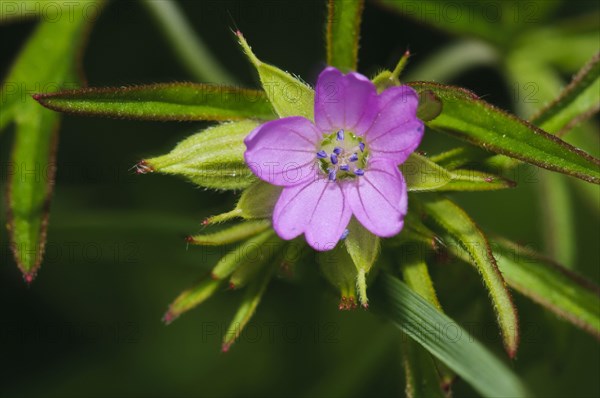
<point>168,317</point>
<point>29,277</point>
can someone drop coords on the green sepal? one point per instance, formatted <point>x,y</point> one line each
<point>363,248</point>
<point>289,96</point>
<point>213,158</point>
<point>339,269</point>
<point>256,262</point>
<point>232,234</point>
<point>191,298</point>
<point>421,174</point>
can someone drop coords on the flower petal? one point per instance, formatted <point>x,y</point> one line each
<point>346,102</point>
<point>379,199</point>
<point>317,208</point>
<point>396,132</point>
<point>284,151</point>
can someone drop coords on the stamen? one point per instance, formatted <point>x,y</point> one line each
<point>334,158</point>
<point>345,234</point>
<point>361,145</point>
<point>340,135</point>
<point>332,174</point>
<point>359,172</point>
<point>345,167</point>
<point>337,150</point>
<point>321,154</point>
<point>353,158</point>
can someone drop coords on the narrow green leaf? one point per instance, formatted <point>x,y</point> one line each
<point>343,33</point>
<point>454,221</point>
<point>250,302</point>
<point>186,44</point>
<point>213,158</point>
<point>551,285</point>
<point>288,95</point>
<point>47,65</point>
<point>474,120</point>
<point>445,340</point>
<point>165,101</point>
<point>258,200</point>
<point>416,276</point>
<point>242,255</point>
<point>232,234</point>
<point>421,174</point>
<point>191,298</point>
<point>460,157</point>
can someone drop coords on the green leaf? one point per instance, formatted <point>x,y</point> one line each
<point>456,223</point>
<point>244,254</point>
<point>460,157</point>
<point>474,120</point>
<point>576,102</point>
<point>343,33</point>
<point>186,44</point>
<point>49,65</point>
<point>445,340</point>
<point>191,298</point>
<point>289,96</point>
<point>258,200</point>
<point>165,101</point>
<point>213,158</point>
<point>416,276</point>
<point>421,174</point>
<point>252,297</point>
<point>232,234</point>
<point>549,284</point>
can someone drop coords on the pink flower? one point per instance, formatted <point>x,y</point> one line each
<point>344,164</point>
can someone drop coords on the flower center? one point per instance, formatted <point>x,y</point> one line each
<point>342,155</point>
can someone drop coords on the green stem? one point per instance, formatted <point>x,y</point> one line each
<point>194,54</point>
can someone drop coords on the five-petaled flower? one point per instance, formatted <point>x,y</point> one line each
<point>343,164</point>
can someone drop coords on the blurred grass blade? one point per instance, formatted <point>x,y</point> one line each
<point>558,227</point>
<point>578,101</point>
<point>549,284</point>
<point>468,20</point>
<point>186,44</point>
<point>343,33</point>
<point>232,234</point>
<point>288,95</point>
<point>165,101</point>
<point>454,221</point>
<point>449,343</point>
<point>48,65</point>
<point>252,297</point>
<point>422,379</point>
<point>468,117</point>
<point>212,158</point>
<point>191,298</point>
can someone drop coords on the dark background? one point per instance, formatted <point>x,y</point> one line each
<point>90,323</point>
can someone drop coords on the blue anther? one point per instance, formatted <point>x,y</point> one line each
<point>345,167</point>
<point>321,154</point>
<point>359,172</point>
<point>340,135</point>
<point>353,158</point>
<point>332,175</point>
<point>334,158</point>
<point>344,234</point>
<point>337,150</point>
<point>361,145</point>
